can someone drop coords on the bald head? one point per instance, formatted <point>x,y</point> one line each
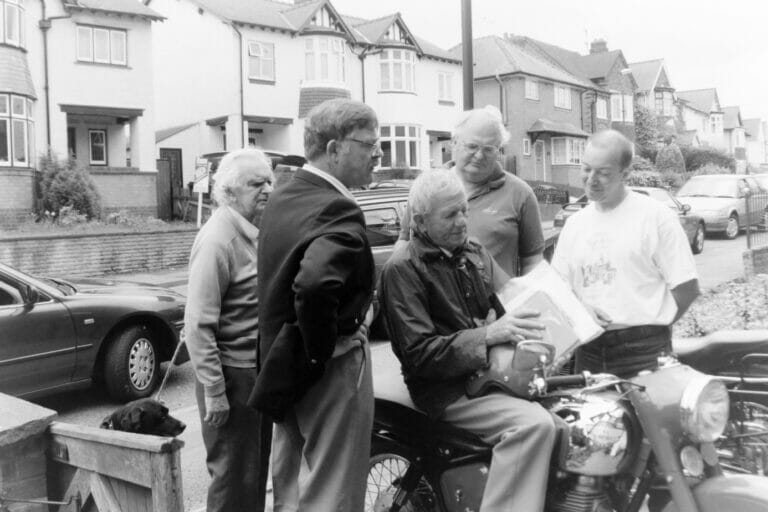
<point>619,146</point>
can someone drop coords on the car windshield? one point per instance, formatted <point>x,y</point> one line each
<point>725,186</point>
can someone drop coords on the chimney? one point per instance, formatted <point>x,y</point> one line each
<point>598,46</point>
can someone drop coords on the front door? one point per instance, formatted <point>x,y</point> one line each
<point>538,151</point>
<point>173,155</point>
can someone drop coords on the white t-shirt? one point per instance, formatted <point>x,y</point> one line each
<point>626,260</point>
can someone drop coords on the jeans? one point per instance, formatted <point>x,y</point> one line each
<point>625,352</point>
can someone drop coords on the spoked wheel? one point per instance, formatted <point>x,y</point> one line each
<point>732,228</point>
<point>744,445</point>
<point>386,470</point>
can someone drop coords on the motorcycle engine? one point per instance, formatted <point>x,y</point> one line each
<point>604,435</point>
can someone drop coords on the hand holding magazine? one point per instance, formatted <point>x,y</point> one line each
<point>568,323</point>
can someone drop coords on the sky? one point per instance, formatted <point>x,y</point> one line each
<point>720,44</point>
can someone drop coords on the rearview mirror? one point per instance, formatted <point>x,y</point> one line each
<point>29,294</point>
<point>686,208</point>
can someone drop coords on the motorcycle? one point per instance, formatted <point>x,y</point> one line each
<point>740,360</point>
<point>619,440</point>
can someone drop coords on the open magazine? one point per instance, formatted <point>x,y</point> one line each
<point>568,323</point>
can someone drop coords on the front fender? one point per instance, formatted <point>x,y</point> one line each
<point>742,493</point>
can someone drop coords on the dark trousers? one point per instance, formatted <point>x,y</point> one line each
<point>238,452</point>
<point>625,352</point>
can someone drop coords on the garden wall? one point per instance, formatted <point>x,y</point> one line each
<point>89,255</point>
<point>755,261</point>
<point>127,189</point>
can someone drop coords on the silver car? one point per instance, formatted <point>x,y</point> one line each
<point>720,199</point>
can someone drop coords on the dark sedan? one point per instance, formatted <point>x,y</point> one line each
<point>693,225</point>
<point>57,335</point>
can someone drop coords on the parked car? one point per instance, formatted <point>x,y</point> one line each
<point>720,200</point>
<point>279,159</point>
<point>383,209</point>
<point>58,335</point>
<point>693,225</point>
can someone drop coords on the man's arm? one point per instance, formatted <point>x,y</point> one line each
<point>531,237</point>
<point>528,263</point>
<point>684,295</point>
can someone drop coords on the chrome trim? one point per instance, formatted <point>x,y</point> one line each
<point>689,401</point>
<point>39,356</point>
<point>745,380</point>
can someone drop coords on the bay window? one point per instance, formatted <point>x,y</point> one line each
<point>398,70</point>
<point>17,132</point>
<point>325,59</point>
<point>400,146</point>
<point>567,150</point>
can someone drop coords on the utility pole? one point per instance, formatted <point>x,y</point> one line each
<point>466,54</point>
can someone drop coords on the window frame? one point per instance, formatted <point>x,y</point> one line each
<point>601,113</point>
<point>391,140</point>
<point>19,125</point>
<point>18,9</point>
<point>532,89</point>
<point>563,97</point>
<point>574,150</point>
<point>526,146</point>
<point>445,83</point>
<point>317,52</point>
<point>91,161</point>
<point>108,59</point>
<point>406,62</point>
<point>261,75</point>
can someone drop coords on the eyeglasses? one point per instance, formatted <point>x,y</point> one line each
<point>473,148</point>
<point>375,146</point>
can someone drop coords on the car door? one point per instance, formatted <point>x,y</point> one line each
<point>37,341</point>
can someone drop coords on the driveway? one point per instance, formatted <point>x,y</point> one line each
<point>720,261</point>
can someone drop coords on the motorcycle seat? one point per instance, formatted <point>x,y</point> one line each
<point>719,349</point>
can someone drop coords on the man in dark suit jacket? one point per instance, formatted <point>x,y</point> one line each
<point>315,288</point>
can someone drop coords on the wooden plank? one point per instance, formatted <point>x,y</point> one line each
<point>80,483</point>
<point>167,492</point>
<point>123,463</point>
<point>116,438</point>
<point>105,499</point>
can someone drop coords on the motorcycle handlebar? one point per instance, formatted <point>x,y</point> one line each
<point>566,380</point>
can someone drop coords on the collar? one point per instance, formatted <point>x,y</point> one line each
<point>496,180</point>
<point>245,227</point>
<point>330,179</point>
<point>427,250</point>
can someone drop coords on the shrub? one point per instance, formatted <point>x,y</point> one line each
<point>670,159</point>
<point>644,179</point>
<point>640,163</point>
<point>711,168</point>
<point>698,157</point>
<point>63,184</point>
<point>646,132</point>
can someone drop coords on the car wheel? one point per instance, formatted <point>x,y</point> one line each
<point>132,364</point>
<point>697,244</point>
<point>732,228</point>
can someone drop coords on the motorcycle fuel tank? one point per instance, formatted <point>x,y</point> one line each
<point>603,433</point>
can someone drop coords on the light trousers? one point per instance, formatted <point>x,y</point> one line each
<point>523,435</point>
<point>320,451</point>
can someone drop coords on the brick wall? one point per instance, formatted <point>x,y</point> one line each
<point>16,195</point>
<point>89,255</point>
<point>132,191</point>
<point>755,261</point>
<point>309,97</point>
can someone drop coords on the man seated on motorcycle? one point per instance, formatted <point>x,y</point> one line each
<point>436,295</point>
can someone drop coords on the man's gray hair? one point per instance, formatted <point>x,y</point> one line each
<point>230,174</point>
<point>334,120</point>
<point>488,113</point>
<point>430,185</point>
<point>615,140</point>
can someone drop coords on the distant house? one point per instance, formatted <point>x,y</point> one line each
<point>757,142</point>
<point>541,104</point>
<point>76,77</point>
<point>609,72</point>
<point>700,110</point>
<point>735,136</point>
<point>655,92</point>
<point>253,69</point>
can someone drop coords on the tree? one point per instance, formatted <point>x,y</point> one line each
<point>63,184</point>
<point>646,132</point>
<point>670,158</point>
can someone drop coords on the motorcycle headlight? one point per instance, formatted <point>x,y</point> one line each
<point>704,408</point>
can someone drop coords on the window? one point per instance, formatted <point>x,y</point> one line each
<point>17,132</point>
<point>563,97</point>
<point>102,45</point>
<point>663,103</point>
<point>325,59</point>
<point>97,140</point>
<point>445,86</point>
<point>323,18</point>
<point>398,70</point>
<point>531,89</point>
<point>261,60</point>
<point>601,108</point>
<point>400,146</point>
<point>527,147</point>
<point>567,150</point>
<point>616,108</point>
<point>12,22</point>
<point>716,124</point>
<point>629,109</point>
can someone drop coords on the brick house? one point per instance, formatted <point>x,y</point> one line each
<point>610,74</point>
<point>76,77</point>
<point>541,104</point>
<point>254,68</point>
<point>656,93</point>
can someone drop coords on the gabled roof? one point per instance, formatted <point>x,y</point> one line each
<point>376,30</point>
<point>732,118</point>
<point>130,7</point>
<point>495,55</point>
<point>752,126</point>
<point>646,73</point>
<point>700,99</point>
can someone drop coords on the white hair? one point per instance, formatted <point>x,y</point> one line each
<point>430,185</point>
<point>230,174</point>
<point>489,113</point>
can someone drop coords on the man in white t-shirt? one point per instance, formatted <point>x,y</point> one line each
<point>627,258</point>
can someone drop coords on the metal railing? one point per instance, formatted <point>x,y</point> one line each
<point>756,206</point>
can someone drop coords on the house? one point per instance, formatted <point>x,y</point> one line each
<point>700,111</point>
<point>608,71</point>
<point>542,108</point>
<point>76,77</point>
<point>735,136</point>
<point>757,143</point>
<point>254,69</point>
<point>655,92</point>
